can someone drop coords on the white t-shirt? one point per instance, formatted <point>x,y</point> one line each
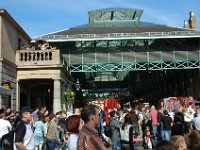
<point>125,133</point>
<point>72,142</point>
<point>4,127</point>
<point>196,123</point>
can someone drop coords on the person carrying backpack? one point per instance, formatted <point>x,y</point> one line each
<point>5,125</point>
<point>23,134</point>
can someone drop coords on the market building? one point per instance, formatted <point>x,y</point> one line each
<point>116,56</point>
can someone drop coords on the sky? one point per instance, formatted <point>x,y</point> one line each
<point>39,17</point>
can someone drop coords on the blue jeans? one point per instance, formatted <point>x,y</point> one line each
<point>135,128</point>
<point>161,131</point>
<point>116,144</point>
<point>166,135</point>
<point>52,144</point>
<point>155,132</point>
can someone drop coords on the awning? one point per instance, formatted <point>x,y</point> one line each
<point>5,91</point>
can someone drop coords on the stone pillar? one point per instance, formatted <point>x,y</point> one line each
<point>62,90</point>
<point>18,95</point>
<point>57,96</point>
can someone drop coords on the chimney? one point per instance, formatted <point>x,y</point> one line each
<point>186,24</point>
<point>192,21</point>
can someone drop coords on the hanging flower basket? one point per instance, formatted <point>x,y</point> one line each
<point>68,97</point>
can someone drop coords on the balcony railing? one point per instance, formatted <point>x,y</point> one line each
<point>39,58</point>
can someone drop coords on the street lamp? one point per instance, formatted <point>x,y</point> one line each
<point>78,85</point>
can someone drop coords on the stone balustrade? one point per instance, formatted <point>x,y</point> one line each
<point>39,57</point>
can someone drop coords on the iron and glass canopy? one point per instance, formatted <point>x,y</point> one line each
<point>115,40</point>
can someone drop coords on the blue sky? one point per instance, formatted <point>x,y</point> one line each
<point>38,17</point>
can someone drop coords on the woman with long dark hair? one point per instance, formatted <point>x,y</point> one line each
<point>126,132</point>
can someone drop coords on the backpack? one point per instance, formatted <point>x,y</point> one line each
<point>7,141</point>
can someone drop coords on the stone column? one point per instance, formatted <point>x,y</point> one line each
<point>62,90</point>
<point>57,96</point>
<point>18,95</point>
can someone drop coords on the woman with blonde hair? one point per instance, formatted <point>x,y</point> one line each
<point>179,142</point>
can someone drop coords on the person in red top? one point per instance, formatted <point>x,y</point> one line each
<point>154,120</point>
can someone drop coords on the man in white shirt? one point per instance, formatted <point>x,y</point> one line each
<point>5,125</point>
<point>196,121</point>
<point>190,110</point>
<point>23,136</point>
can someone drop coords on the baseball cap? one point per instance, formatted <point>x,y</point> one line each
<point>25,109</point>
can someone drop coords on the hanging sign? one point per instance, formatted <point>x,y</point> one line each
<point>6,85</point>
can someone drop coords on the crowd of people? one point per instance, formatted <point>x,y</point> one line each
<point>139,127</point>
<point>38,45</point>
<point>144,127</point>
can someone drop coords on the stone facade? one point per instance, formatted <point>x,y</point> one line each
<point>32,73</point>
<point>11,37</point>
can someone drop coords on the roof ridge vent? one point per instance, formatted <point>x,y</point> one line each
<point>115,15</point>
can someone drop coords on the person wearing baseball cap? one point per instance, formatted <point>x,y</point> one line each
<point>25,109</point>
<point>24,137</point>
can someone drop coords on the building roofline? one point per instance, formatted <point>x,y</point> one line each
<point>118,36</point>
<point>9,18</point>
<point>49,33</point>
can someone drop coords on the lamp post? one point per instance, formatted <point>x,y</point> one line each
<point>79,97</point>
<point>78,85</point>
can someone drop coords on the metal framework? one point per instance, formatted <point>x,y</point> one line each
<point>144,61</point>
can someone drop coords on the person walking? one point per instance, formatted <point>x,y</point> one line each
<point>115,127</point>
<point>167,126</point>
<point>126,132</point>
<point>23,135</point>
<point>74,125</point>
<point>88,136</point>
<point>196,121</point>
<point>154,119</point>
<point>5,125</point>
<point>39,132</point>
<point>52,133</point>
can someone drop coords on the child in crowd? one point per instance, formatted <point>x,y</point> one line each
<point>148,138</point>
